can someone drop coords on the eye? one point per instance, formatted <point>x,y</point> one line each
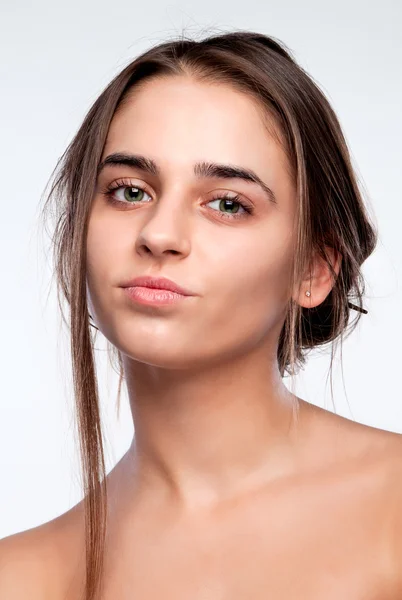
<point>234,203</point>
<point>129,194</point>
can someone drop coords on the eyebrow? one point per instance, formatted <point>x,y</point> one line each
<point>201,169</point>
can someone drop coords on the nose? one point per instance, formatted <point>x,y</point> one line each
<point>166,229</point>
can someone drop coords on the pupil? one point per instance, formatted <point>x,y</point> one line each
<point>231,203</point>
<point>134,191</point>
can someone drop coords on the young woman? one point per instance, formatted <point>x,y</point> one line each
<point>210,226</point>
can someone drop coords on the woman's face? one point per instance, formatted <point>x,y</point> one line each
<point>236,263</point>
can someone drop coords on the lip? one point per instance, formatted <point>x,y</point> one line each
<point>152,296</point>
<point>157,283</point>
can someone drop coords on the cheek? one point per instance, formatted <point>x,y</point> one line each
<point>255,268</point>
<point>105,248</point>
<point>250,285</point>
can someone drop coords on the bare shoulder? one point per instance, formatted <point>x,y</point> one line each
<point>392,514</point>
<point>368,453</point>
<point>22,566</point>
<point>349,439</point>
<point>39,563</point>
<point>376,455</point>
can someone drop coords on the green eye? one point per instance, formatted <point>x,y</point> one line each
<point>229,206</point>
<point>233,205</point>
<point>133,193</point>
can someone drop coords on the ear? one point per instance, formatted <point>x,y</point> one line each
<point>319,280</point>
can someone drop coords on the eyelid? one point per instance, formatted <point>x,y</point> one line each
<point>117,183</point>
<point>123,182</point>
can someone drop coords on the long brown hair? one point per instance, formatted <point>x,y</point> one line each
<point>330,213</point>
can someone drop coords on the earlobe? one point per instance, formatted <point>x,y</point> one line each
<point>318,284</point>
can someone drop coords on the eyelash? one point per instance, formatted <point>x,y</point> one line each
<point>248,208</point>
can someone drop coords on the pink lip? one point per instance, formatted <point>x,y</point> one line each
<point>154,291</point>
<point>152,296</point>
<point>157,283</point>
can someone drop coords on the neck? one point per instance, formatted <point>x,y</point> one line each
<point>205,436</point>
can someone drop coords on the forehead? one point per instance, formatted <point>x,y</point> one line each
<point>179,120</point>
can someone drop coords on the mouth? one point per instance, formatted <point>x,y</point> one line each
<point>155,291</point>
<point>161,284</point>
<point>153,296</point>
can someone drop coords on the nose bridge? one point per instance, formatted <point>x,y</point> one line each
<point>167,224</point>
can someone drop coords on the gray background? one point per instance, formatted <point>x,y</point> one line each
<point>55,59</point>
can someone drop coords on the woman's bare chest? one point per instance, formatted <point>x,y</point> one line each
<point>313,546</point>
<point>249,573</point>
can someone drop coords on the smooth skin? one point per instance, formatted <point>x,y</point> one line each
<point>233,487</point>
